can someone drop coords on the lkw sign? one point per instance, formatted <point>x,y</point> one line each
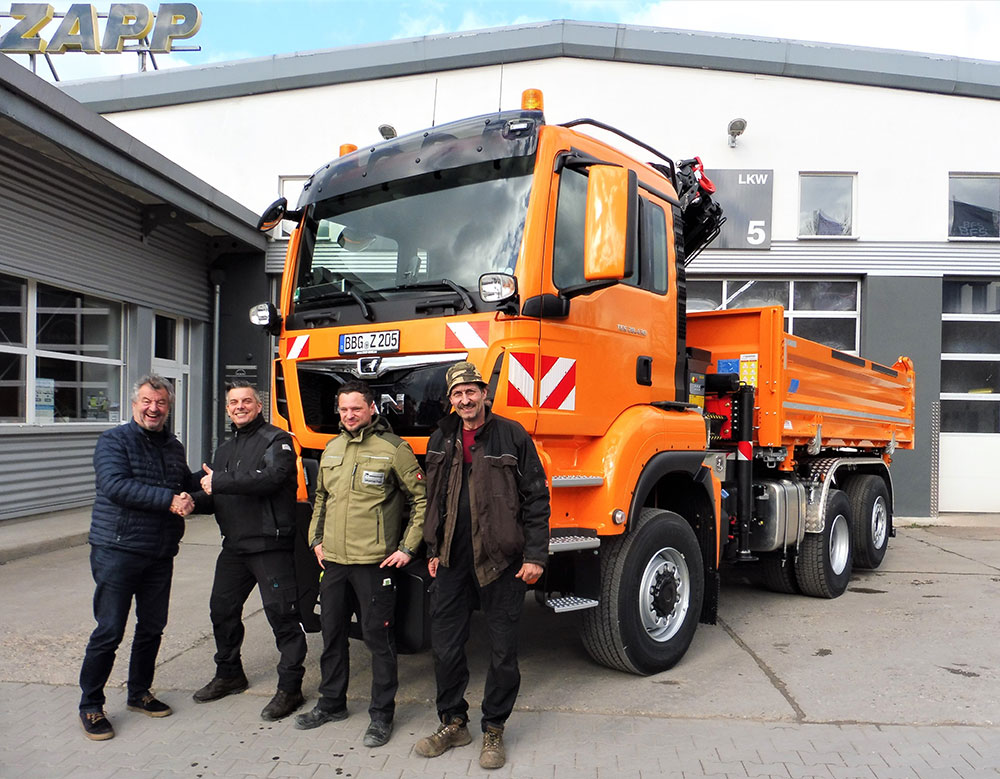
<point>745,197</point>
<point>78,30</point>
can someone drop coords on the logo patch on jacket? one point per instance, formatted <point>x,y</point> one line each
<point>376,478</point>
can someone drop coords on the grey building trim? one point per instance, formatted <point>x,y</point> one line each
<point>524,43</point>
<point>37,115</point>
<point>52,462</point>
<point>874,258</point>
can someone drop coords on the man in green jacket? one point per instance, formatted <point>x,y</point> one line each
<point>368,520</point>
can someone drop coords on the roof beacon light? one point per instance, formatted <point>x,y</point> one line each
<point>347,148</point>
<point>532,100</point>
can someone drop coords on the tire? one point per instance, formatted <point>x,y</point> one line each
<point>823,568</point>
<point>652,587</point>
<point>871,519</point>
<point>779,574</point>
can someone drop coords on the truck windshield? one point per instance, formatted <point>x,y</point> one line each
<point>428,237</point>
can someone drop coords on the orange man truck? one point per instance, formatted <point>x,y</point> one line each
<point>674,443</point>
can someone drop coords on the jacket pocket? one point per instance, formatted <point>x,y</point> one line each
<point>503,477</point>
<point>372,474</point>
<point>505,533</point>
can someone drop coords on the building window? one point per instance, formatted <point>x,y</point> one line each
<point>60,355</point>
<point>973,206</point>
<point>826,205</point>
<point>970,357</point>
<point>823,310</point>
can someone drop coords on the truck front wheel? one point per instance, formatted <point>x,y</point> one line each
<point>652,586</point>
<point>824,565</point>
<point>871,519</point>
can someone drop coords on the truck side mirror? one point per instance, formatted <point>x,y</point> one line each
<point>611,223</point>
<point>275,213</point>
<point>266,317</point>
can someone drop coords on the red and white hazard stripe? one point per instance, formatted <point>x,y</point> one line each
<point>298,347</point>
<point>521,379</point>
<point>470,335</point>
<point>557,388</point>
<point>744,450</point>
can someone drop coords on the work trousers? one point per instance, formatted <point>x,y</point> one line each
<point>454,595</point>
<point>120,577</point>
<point>273,573</point>
<point>373,591</point>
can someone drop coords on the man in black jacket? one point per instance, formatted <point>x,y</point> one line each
<point>141,476</point>
<point>487,533</point>
<point>252,484</point>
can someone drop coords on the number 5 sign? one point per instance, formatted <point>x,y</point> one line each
<point>746,197</point>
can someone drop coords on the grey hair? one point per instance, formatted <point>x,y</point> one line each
<point>244,384</point>
<point>156,382</point>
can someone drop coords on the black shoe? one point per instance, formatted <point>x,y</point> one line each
<point>96,725</point>
<point>220,687</point>
<point>378,733</point>
<point>149,706</point>
<point>316,717</point>
<point>282,704</point>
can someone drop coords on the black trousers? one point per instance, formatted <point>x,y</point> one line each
<point>273,573</point>
<point>373,590</point>
<point>454,596</point>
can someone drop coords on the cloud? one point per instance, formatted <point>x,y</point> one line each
<point>964,28</point>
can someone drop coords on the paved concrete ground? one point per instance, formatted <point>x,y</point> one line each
<point>897,678</point>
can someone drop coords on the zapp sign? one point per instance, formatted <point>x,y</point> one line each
<point>78,28</point>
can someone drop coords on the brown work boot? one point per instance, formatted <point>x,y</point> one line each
<point>449,734</point>
<point>493,754</point>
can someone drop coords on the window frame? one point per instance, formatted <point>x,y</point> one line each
<point>994,357</point>
<point>791,312</point>
<point>855,233</point>
<point>31,353</point>
<point>948,218</point>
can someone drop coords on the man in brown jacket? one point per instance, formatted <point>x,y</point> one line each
<point>487,531</point>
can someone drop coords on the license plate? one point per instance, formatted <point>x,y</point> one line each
<point>366,343</point>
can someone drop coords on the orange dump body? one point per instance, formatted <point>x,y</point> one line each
<point>807,391</point>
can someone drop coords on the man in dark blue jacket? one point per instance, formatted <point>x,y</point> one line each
<point>142,480</point>
<point>252,484</point>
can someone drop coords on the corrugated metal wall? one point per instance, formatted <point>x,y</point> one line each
<point>74,231</point>
<point>46,471</point>
<point>883,258</point>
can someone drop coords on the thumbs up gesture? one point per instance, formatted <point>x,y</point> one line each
<point>206,480</point>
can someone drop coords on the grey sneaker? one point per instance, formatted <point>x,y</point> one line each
<point>378,733</point>
<point>493,754</point>
<point>448,735</point>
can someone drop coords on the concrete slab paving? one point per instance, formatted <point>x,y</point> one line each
<point>895,678</point>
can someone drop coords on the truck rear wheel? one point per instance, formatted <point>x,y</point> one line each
<point>779,574</point>
<point>824,565</point>
<point>871,519</point>
<point>652,586</point>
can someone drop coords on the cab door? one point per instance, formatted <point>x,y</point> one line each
<point>616,346</point>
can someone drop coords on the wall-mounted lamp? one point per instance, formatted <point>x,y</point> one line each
<point>387,131</point>
<point>735,130</point>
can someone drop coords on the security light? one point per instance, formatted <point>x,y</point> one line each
<point>735,129</point>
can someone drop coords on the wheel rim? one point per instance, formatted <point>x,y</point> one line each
<point>880,523</point>
<point>664,594</point>
<point>840,543</point>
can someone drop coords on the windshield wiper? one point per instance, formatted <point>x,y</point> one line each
<point>443,284</point>
<point>307,298</point>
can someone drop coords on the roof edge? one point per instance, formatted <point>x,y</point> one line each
<point>887,68</point>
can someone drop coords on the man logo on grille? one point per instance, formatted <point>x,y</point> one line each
<point>387,403</point>
<point>368,366</point>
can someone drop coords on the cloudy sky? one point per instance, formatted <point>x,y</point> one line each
<point>238,29</point>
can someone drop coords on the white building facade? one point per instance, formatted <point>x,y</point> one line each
<point>863,195</point>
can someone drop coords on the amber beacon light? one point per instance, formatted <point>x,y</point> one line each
<point>347,148</point>
<point>532,100</point>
